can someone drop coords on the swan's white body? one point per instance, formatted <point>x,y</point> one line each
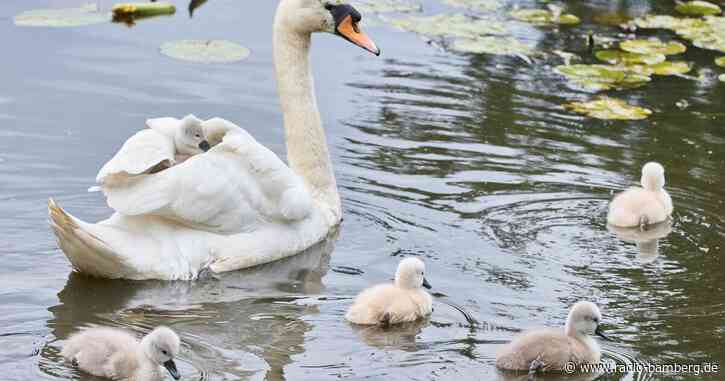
<point>644,206</point>
<point>116,354</point>
<point>237,205</point>
<point>550,349</point>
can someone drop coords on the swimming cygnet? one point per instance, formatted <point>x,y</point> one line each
<point>642,206</point>
<point>402,301</point>
<point>550,349</point>
<point>116,354</point>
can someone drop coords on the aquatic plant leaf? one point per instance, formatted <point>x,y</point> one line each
<point>478,5</point>
<point>605,77</point>
<point>657,22</point>
<point>544,17</point>
<point>609,109</point>
<point>492,45</point>
<point>611,19</point>
<point>445,25</point>
<point>143,9</point>
<point>205,51</point>
<point>653,46</point>
<point>705,33</point>
<point>721,77</point>
<point>671,68</point>
<point>62,17</point>
<point>720,61</point>
<point>627,58</point>
<point>698,8</point>
<point>387,6</point>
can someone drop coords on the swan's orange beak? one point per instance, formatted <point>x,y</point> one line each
<point>349,30</point>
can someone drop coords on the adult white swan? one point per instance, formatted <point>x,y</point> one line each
<point>171,225</point>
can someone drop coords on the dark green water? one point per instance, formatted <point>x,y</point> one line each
<point>467,161</point>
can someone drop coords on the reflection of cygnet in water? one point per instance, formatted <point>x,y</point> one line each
<point>116,354</point>
<point>401,336</point>
<point>552,349</point>
<point>403,301</point>
<point>642,206</point>
<point>647,241</point>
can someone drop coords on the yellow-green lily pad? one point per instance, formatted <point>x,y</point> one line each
<point>721,77</point>
<point>143,9</point>
<point>492,45</point>
<point>544,17</point>
<point>387,6</point>
<point>609,109</point>
<point>604,77</point>
<point>671,68</point>
<point>705,33</point>
<point>628,58</point>
<point>445,25</point>
<point>698,8</point>
<point>478,5</point>
<point>62,17</point>
<point>612,19</point>
<point>653,46</point>
<point>657,22</point>
<point>720,61</point>
<point>205,51</point>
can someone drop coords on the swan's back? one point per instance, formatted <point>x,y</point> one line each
<point>551,347</point>
<point>103,352</point>
<point>389,304</point>
<point>628,208</point>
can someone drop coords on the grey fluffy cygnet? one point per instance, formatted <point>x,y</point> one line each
<point>118,355</point>
<point>550,349</point>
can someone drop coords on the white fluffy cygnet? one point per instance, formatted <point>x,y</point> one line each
<point>118,355</point>
<point>550,349</point>
<point>402,301</point>
<point>642,206</point>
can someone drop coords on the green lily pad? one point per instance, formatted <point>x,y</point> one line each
<point>698,8</point>
<point>657,22</point>
<point>609,109</point>
<point>627,58</point>
<point>492,45</point>
<point>62,17</point>
<point>653,46</point>
<point>205,51</point>
<point>705,33</point>
<point>671,68</point>
<point>445,25</point>
<point>720,61</point>
<point>386,6</point>
<point>721,77</point>
<point>612,19</point>
<point>605,77</point>
<point>143,9</point>
<point>544,17</point>
<point>478,5</point>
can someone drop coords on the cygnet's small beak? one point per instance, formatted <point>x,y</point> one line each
<point>204,145</point>
<point>426,284</point>
<point>601,334</point>
<point>171,367</point>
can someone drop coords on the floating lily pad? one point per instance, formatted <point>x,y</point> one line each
<point>609,109</point>
<point>387,6</point>
<point>705,33</point>
<point>205,51</point>
<point>612,19</point>
<point>720,61</point>
<point>671,68</point>
<point>657,22</point>
<point>698,8</point>
<point>653,46</point>
<point>721,77</point>
<point>63,17</point>
<point>627,58</point>
<point>479,5</point>
<point>445,25</point>
<point>492,45</point>
<point>605,77</point>
<point>143,9</point>
<point>544,17</point>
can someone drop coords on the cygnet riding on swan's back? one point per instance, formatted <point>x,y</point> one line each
<point>550,349</point>
<point>116,354</point>
<point>642,206</point>
<point>403,301</point>
<point>237,205</point>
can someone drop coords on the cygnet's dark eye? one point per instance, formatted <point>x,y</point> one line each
<point>197,135</point>
<point>164,352</point>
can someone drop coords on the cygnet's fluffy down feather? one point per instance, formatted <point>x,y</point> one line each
<point>642,206</point>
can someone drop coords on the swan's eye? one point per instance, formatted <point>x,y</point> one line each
<point>329,6</point>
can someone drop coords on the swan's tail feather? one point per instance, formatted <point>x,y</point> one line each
<point>87,252</point>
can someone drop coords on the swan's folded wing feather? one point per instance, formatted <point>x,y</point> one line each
<point>139,154</point>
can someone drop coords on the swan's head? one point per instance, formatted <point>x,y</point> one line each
<point>331,16</point>
<point>190,138</point>
<point>161,346</point>
<point>653,176</point>
<point>583,319</point>
<point>411,274</point>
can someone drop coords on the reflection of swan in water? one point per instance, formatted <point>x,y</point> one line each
<point>647,241</point>
<point>241,323</point>
<point>401,336</point>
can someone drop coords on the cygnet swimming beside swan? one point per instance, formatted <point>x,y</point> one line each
<point>644,206</point>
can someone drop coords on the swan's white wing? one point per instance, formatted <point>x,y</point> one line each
<point>138,155</point>
<point>237,186</point>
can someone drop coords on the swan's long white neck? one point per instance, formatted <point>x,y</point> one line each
<point>307,152</point>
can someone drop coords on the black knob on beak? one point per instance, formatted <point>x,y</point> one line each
<point>204,145</point>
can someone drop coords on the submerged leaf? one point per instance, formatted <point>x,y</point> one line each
<point>63,17</point>
<point>609,109</point>
<point>620,57</point>
<point>720,61</point>
<point>445,25</point>
<point>492,45</point>
<point>387,6</point>
<point>697,8</point>
<point>653,46</point>
<point>205,51</point>
<point>605,77</point>
<point>479,5</point>
<point>544,17</point>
